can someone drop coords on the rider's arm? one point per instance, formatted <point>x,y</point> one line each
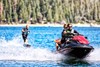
<point>76,32</point>
<point>64,32</point>
<point>23,30</point>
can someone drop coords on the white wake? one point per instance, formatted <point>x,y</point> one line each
<point>14,50</point>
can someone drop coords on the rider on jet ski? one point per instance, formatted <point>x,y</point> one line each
<point>67,34</point>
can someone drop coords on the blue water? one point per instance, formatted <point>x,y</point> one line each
<point>42,52</point>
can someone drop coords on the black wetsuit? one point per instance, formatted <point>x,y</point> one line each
<point>25,34</point>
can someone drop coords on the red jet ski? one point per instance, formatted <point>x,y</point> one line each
<point>77,47</point>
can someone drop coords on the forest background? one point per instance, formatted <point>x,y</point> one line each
<point>49,11</point>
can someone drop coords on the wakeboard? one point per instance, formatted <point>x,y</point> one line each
<point>27,45</point>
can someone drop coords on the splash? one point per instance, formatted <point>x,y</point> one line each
<point>16,41</point>
<point>95,55</point>
<point>14,50</point>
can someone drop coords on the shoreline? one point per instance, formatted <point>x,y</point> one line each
<point>49,25</point>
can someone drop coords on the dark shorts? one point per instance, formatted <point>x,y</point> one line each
<point>24,37</point>
<point>63,40</point>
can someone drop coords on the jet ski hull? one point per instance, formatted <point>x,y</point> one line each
<point>76,51</point>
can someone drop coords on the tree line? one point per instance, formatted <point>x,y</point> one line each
<point>74,11</point>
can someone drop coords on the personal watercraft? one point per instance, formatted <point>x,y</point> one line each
<point>77,47</point>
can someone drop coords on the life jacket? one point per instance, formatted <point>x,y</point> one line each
<point>69,33</point>
<point>25,31</point>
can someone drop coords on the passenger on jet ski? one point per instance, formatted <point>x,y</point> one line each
<point>67,34</point>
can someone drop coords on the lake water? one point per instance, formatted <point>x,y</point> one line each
<point>42,50</point>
